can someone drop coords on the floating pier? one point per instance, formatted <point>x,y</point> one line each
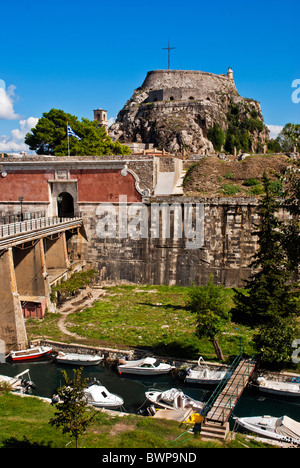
<point>223,400</point>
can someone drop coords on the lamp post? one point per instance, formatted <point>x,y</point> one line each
<point>21,201</point>
<point>59,200</point>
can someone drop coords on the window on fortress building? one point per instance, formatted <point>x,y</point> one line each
<point>171,98</point>
<point>191,98</point>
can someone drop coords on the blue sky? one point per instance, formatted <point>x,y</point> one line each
<point>78,56</point>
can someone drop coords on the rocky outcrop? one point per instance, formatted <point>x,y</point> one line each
<point>174,110</point>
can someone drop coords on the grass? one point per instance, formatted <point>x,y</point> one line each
<point>24,423</point>
<point>230,189</point>
<point>149,317</point>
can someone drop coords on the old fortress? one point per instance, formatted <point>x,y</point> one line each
<point>166,124</point>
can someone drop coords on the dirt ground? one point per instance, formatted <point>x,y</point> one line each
<point>208,176</point>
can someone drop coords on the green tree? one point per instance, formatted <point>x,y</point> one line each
<point>216,136</point>
<point>72,415</point>
<point>210,304</point>
<point>291,202</point>
<point>268,300</point>
<point>49,137</point>
<point>244,125</point>
<point>274,146</point>
<point>289,137</point>
<point>230,142</point>
<point>267,294</point>
<point>273,342</point>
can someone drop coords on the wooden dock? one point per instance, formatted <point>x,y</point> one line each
<point>225,399</point>
<point>229,396</point>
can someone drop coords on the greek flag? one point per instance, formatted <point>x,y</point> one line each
<point>71,133</point>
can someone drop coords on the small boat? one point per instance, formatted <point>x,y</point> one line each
<point>287,388</point>
<point>98,396</point>
<point>19,383</point>
<point>284,428</point>
<point>78,359</point>
<point>205,375</point>
<point>173,399</point>
<point>30,353</point>
<point>144,366</point>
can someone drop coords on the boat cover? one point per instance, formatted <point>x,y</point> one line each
<point>288,427</point>
<point>175,415</point>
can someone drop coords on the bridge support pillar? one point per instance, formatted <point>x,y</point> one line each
<point>56,252</point>
<point>30,269</point>
<point>12,327</point>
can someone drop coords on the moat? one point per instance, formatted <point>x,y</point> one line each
<point>47,377</point>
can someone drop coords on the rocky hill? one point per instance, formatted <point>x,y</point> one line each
<point>175,109</point>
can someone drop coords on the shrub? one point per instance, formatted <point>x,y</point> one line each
<point>256,190</point>
<point>251,182</point>
<point>230,189</point>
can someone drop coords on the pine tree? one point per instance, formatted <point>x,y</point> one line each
<point>267,295</point>
<point>291,201</point>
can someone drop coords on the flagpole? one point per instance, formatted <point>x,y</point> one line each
<point>68,141</point>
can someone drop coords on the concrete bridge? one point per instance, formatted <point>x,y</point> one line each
<point>33,257</point>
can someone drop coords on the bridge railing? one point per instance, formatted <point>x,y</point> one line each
<point>213,397</point>
<point>33,224</point>
<point>24,216</point>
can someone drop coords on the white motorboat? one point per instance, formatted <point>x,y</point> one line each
<point>98,396</point>
<point>30,354</point>
<point>146,366</point>
<point>205,375</point>
<point>19,383</point>
<point>291,389</point>
<point>78,359</point>
<point>173,399</point>
<point>283,428</point>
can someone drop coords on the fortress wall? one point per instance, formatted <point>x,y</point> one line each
<point>185,79</point>
<point>225,225</point>
<point>226,251</point>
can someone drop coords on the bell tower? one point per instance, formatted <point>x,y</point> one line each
<point>230,73</point>
<point>101,116</point>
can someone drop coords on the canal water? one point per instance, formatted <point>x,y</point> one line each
<point>47,377</point>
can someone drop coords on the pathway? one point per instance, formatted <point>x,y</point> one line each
<point>84,300</point>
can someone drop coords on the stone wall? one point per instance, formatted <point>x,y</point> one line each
<point>226,225</point>
<point>197,81</point>
<point>228,245</point>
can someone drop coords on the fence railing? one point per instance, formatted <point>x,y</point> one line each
<point>33,224</point>
<point>16,218</point>
<point>235,389</point>
<point>213,397</point>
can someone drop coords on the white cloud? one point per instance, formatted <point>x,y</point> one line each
<point>274,130</point>
<point>7,97</point>
<point>111,121</point>
<point>15,142</point>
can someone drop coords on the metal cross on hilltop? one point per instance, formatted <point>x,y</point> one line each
<point>168,49</point>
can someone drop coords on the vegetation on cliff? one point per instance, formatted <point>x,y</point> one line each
<point>243,131</point>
